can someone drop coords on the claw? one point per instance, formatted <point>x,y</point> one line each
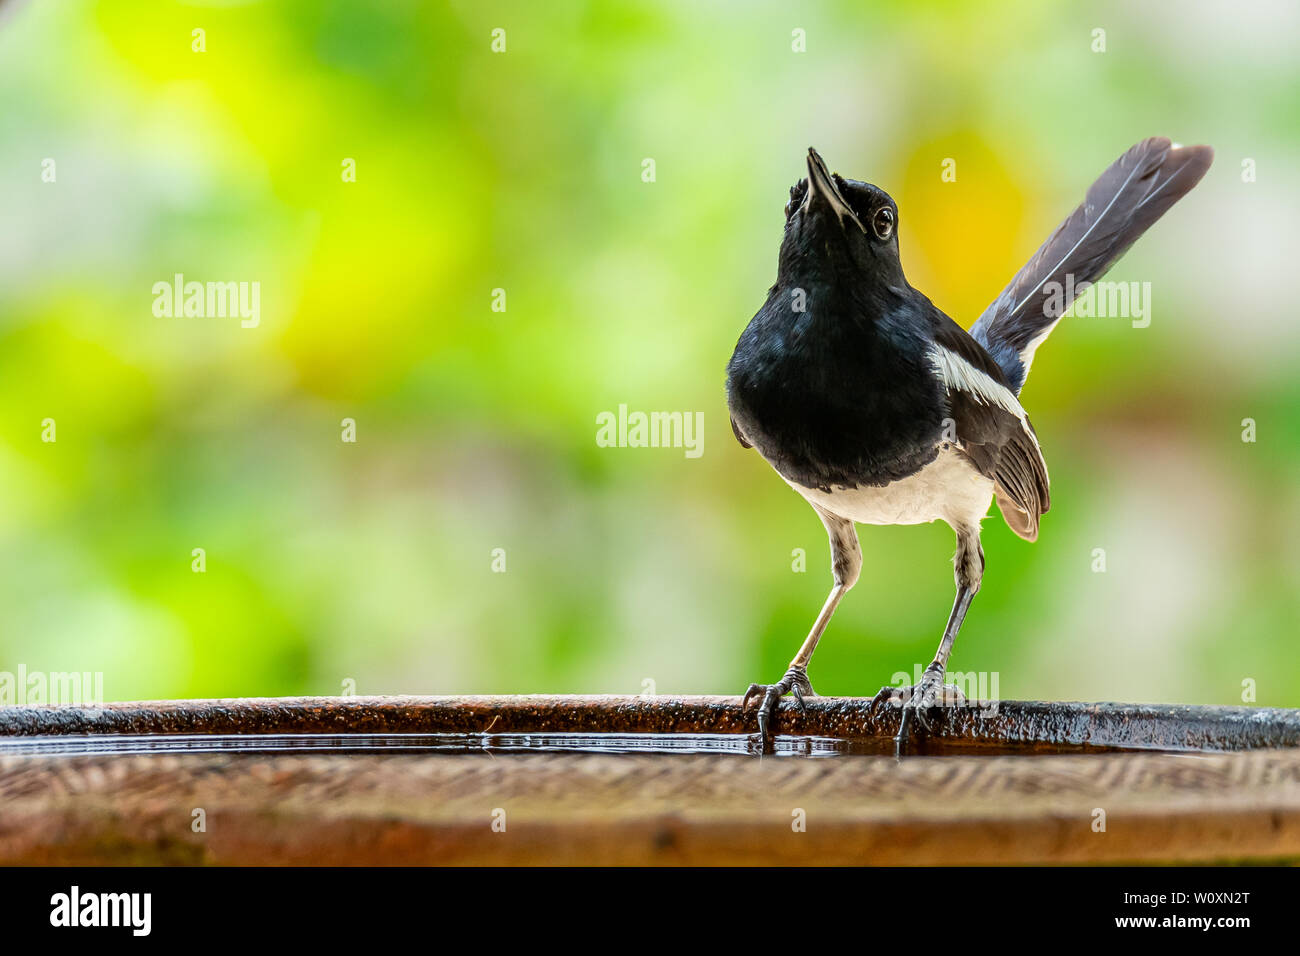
<point>798,696</point>
<point>918,701</point>
<point>904,731</point>
<point>795,680</point>
<point>889,694</point>
<point>764,712</point>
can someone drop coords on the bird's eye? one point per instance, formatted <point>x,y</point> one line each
<point>883,222</point>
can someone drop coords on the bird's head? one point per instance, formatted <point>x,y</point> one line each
<point>839,229</point>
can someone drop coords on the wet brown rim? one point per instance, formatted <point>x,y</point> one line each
<point>1008,726</point>
<point>1229,790</point>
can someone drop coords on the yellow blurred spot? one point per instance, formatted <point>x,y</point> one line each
<point>959,238</point>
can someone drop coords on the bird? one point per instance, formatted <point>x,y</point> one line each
<point>878,408</point>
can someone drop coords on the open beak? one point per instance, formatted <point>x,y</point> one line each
<point>822,187</point>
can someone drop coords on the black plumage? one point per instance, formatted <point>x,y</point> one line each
<point>878,408</point>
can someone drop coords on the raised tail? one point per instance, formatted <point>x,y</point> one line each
<point>1122,204</point>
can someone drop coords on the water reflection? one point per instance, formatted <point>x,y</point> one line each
<point>503,743</point>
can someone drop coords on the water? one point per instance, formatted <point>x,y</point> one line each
<point>479,743</point>
<point>436,743</point>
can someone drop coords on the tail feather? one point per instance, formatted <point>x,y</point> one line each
<point>1123,203</point>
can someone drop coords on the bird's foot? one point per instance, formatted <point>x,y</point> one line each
<point>919,700</point>
<point>794,682</point>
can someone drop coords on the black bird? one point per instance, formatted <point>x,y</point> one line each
<point>880,409</point>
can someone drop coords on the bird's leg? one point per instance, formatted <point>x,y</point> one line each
<point>968,564</point>
<point>796,677</point>
<point>846,563</point>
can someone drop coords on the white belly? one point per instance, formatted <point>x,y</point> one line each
<point>947,488</point>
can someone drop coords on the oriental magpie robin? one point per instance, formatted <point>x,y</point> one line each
<point>880,409</point>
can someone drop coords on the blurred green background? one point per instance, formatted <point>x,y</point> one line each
<point>372,561</point>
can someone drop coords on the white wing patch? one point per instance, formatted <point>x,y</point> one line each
<point>958,374</point>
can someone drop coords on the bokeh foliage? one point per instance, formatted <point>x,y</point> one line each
<point>522,171</point>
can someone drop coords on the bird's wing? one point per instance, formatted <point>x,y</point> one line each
<point>991,427</point>
<point>740,437</point>
<point>1123,203</point>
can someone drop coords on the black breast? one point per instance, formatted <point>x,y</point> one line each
<point>836,397</point>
